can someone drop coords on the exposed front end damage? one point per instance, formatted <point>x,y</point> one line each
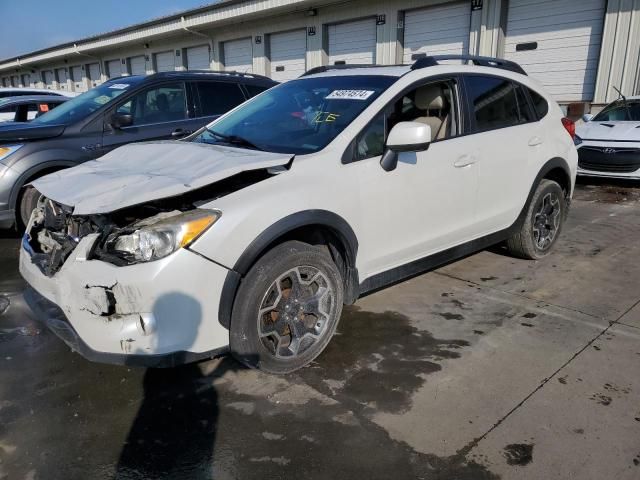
<point>110,306</point>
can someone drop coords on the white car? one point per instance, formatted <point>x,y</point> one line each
<point>252,233</point>
<point>609,143</point>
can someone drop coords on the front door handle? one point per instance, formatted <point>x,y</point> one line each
<point>464,161</point>
<point>180,132</point>
<point>533,141</point>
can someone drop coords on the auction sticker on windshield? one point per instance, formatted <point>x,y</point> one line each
<point>119,86</point>
<point>350,94</point>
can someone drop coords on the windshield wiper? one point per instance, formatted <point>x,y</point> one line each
<point>233,139</point>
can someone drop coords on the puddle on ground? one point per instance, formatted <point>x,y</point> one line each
<point>378,360</point>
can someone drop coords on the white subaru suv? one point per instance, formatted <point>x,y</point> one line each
<point>252,233</point>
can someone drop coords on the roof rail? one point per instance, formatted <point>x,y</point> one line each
<point>227,73</point>
<point>340,66</point>
<point>431,61</point>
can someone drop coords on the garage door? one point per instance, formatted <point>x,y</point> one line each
<point>48,79</point>
<point>436,31</point>
<point>238,55</point>
<point>61,73</point>
<point>137,65</point>
<point>557,43</point>
<point>198,58</point>
<point>76,77</point>
<point>114,68</point>
<point>352,42</point>
<point>94,74</point>
<point>287,52</point>
<point>165,62</point>
<point>26,80</point>
<point>15,81</point>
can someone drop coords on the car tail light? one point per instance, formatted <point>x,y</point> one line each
<point>570,126</point>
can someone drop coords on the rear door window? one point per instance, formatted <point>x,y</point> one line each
<point>495,103</point>
<point>217,98</point>
<point>254,90</point>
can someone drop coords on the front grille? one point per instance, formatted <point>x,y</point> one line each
<point>609,159</point>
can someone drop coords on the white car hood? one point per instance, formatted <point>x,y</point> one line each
<point>609,131</point>
<point>141,172</point>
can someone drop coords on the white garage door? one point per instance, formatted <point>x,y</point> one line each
<point>137,65</point>
<point>352,42</point>
<point>436,30</point>
<point>76,76</point>
<point>114,68</point>
<point>238,55</point>
<point>48,79</point>
<point>557,43</point>
<point>61,73</point>
<point>15,81</point>
<point>287,53</point>
<point>165,62</point>
<point>26,80</point>
<point>94,74</point>
<point>198,58</point>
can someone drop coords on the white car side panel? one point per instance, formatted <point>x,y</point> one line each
<point>431,206</point>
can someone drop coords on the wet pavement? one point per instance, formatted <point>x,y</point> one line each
<point>490,367</point>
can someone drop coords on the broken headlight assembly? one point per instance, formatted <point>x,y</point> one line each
<point>158,236</point>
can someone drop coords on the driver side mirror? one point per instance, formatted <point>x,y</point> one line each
<point>405,137</point>
<point>587,117</point>
<point>121,120</point>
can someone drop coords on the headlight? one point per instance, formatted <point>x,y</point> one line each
<point>577,140</point>
<point>7,150</point>
<point>161,238</point>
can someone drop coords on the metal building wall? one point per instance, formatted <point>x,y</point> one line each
<point>620,53</point>
<point>257,19</point>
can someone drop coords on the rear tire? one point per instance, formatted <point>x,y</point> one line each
<point>542,224</point>
<point>27,203</point>
<point>287,308</point>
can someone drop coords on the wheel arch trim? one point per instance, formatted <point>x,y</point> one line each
<point>259,245</point>
<point>552,164</point>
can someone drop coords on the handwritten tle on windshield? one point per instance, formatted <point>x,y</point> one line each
<point>324,117</point>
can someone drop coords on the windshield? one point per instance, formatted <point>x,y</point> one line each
<point>79,107</point>
<point>617,111</point>
<point>297,117</point>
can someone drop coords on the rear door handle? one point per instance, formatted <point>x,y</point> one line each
<point>464,161</point>
<point>179,132</point>
<point>533,141</point>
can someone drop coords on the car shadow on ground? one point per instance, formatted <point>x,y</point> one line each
<point>174,431</point>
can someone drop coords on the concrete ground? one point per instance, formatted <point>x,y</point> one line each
<point>491,367</point>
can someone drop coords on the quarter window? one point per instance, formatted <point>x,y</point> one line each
<point>524,109</point>
<point>539,103</point>
<point>156,105</point>
<point>494,103</point>
<point>217,98</point>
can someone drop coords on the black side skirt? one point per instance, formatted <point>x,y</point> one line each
<point>422,265</point>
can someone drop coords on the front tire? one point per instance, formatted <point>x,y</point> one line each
<point>27,203</point>
<point>287,308</point>
<point>542,224</point>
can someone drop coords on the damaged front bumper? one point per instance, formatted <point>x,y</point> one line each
<point>160,313</point>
